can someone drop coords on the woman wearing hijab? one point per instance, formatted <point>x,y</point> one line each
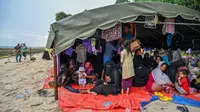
<point>89,71</point>
<point>138,60</point>
<point>158,79</point>
<point>169,54</point>
<point>156,62</point>
<point>110,83</point>
<point>176,62</point>
<point>147,61</point>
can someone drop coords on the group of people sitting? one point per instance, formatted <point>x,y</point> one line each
<point>137,67</point>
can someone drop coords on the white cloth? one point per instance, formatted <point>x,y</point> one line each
<point>81,80</point>
<point>159,77</point>
<point>189,51</point>
<point>176,56</point>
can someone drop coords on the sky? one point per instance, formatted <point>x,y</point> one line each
<point>28,21</point>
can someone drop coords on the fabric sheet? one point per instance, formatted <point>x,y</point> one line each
<point>169,28</point>
<point>113,33</point>
<point>69,51</point>
<point>71,100</point>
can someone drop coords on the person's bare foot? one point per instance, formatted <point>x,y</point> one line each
<point>93,93</point>
<point>127,91</point>
<point>122,91</point>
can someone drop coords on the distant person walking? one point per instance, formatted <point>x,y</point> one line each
<point>24,50</point>
<point>18,53</point>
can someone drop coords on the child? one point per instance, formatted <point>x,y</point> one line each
<point>127,67</point>
<point>182,86</point>
<point>107,80</point>
<point>81,76</point>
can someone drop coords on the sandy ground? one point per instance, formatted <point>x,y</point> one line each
<point>16,78</point>
<point>159,106</point>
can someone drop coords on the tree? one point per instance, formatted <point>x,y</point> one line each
<point>61,15</point>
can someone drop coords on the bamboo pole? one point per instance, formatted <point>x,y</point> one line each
<point>30,53</point>
<point>55,76</point>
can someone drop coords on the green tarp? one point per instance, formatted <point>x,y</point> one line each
<point>83,25</point>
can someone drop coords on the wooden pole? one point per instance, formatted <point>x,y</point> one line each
<point>55,76</point>
<point>30,53</point>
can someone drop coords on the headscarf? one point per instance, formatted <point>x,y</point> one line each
<point>108,68</point>
<point>169,54</point>
<point>189,51</point>
<point>176,56</point>
<point>88,71</point>
<point>159,77</point>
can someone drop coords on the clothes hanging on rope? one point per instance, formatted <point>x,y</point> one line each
<point>169,31</point>
<point>113,33</point>
<point>169,28</point>
<point>169,37</point>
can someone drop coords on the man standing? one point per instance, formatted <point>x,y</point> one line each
<point>24,50</point>
<point>18,52</point>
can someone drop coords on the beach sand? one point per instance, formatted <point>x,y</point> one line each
<point>16,78</point>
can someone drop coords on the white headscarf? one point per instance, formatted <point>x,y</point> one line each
<point>176,56</point>
<point>159,77</point>
<point>189,51</point>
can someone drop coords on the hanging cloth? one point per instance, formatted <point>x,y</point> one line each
<point>69,51</point>
<point>88,44</point>
<point>168,28</point>
<point>113,33</point>
<point>169,37</point>
<point>169,31</point>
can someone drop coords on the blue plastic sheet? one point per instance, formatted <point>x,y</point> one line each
<point>185,101</point>
<point>153,98</point>
<point>176,99</point>
<point>107,103</point>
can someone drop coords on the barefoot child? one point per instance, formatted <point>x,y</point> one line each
<point>127,67</point>
<point>182,86</point>
<point>81,76</point>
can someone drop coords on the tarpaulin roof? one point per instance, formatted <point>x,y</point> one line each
<point>83,25</point>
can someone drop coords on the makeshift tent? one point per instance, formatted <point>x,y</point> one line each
<point>83,25</point>
<point>63,33</point>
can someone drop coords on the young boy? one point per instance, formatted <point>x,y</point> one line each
<point>81,76</point>
<point>182,86</point>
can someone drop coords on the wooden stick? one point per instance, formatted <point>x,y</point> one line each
<point>55,76</point>
<point>30,53</point>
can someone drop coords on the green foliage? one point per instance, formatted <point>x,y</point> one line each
<point>61,15</point>
<point>193,4</point>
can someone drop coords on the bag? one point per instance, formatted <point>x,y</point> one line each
<point>135,45</point>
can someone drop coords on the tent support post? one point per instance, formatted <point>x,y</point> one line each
<point>55,77</point>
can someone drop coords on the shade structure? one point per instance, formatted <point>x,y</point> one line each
<point>63,33</point>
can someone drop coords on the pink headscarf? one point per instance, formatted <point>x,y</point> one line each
<point>88,71</point>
